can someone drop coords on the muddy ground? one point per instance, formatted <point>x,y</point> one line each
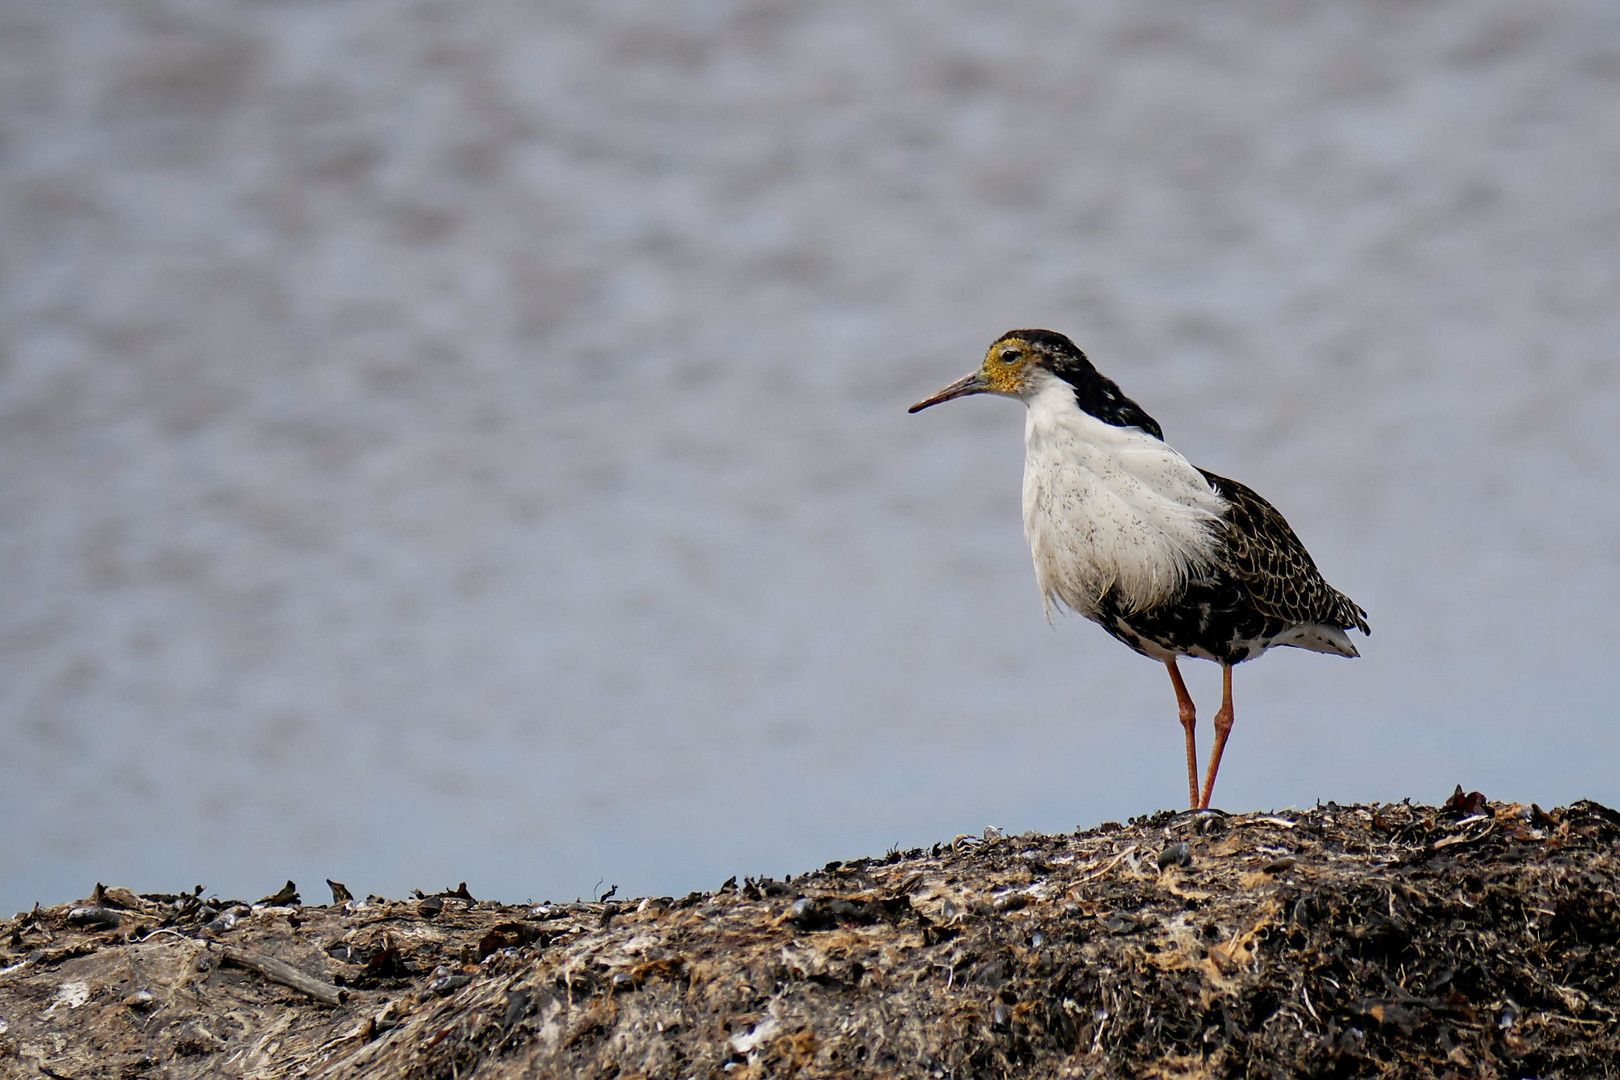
<point>1467,940</point>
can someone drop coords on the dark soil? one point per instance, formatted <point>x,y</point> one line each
<point>1395,940</point>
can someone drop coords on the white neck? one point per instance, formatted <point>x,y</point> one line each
<point>1109,507</point>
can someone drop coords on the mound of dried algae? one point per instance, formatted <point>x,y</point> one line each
<point>1392,940</point>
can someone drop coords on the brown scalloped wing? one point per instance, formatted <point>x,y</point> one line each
<point>1266,559</point>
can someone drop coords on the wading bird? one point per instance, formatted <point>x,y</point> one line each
<point>1168,558</point>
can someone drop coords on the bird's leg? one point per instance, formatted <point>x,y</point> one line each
<point>1223,728</point>
<point>1189,719</point>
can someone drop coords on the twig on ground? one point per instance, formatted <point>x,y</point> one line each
<point>283,973</point>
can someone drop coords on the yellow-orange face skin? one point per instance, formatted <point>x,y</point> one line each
<point>1005,371</point>
<point>1006,366</point>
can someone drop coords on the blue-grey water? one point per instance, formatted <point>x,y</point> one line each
<point>454,441</point>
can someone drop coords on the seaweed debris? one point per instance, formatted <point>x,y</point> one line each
<point>1467,940</point>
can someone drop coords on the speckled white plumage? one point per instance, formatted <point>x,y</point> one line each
<point>1108,506</point>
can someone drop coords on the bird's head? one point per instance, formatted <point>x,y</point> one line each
<point>1014,366</point>
<point>1022,363</point>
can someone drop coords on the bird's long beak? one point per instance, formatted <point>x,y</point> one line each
<point>969,384</point>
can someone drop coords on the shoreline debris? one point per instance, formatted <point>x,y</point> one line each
<point>1469,939</point>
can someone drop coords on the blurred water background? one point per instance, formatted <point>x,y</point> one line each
<point>447,440</point>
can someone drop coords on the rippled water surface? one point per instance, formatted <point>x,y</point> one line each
<point>449,440</point>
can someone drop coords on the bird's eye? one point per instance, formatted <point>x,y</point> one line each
<point>1011,356</point>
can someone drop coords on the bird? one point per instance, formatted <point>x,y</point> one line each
<point>1168,558</point>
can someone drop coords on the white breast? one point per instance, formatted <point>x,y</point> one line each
<point>1109,506</point>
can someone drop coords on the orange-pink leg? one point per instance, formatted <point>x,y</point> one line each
<point>1223,728</point>
<point>1188,721</point>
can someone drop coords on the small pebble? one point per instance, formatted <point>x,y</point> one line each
<point>1175,855</point>
<point>1118,922</point>
<point>447,979</point>
<point>806,913</point>
<point>95,918</point>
